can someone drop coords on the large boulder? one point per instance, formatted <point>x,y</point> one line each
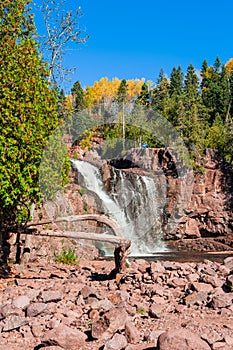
<point>181,339</point>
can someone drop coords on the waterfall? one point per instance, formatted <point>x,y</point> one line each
<point>93,182</point>
<point>132,202</point>
<point>143,201</point>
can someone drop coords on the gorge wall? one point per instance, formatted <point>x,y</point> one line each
<point>198,204</point>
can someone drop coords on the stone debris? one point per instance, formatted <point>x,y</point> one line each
<point>159,305</point>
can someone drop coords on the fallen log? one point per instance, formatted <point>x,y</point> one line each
<point>84,235</point>
<point>111,223</point>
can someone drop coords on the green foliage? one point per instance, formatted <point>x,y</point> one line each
<point>144,96</point>
<point>122,91</point>
<point>78,96</point>
<point>54,165</point>
<point>75,155</point>
<point>89,323</point>
<point>176,81</point>
<point>67,255</point>
<point>141,310</point>
<point>86,208</point>
<point>200,111</point>
<point>82,191</point>
<point>86,141</point>
<point>28,111</point>
<point>81,122</point>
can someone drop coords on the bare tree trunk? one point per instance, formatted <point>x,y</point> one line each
<point>28,239</point>
<point>121,254</point>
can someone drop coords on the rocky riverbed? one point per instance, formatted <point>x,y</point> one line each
<point>156,305</point>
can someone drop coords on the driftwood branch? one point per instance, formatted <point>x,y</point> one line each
<point>84,235</point>
<point>73,218</point>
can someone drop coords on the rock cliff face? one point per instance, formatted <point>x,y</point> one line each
<point>197,205</point>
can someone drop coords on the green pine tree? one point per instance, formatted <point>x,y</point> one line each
<point>216,92</point>
<point>160,94</point>
<point>78,97</point>
<point>176,81</point>
<point>191,84</point>
<point>122,91</point>
<point>144,96</point>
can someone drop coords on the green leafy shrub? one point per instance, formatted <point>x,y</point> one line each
<point>67,255</point>
<point>141,310</point>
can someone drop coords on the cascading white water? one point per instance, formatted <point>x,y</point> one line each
<point>133,203</point>
<point>93,182</point>
<point>143,201</point>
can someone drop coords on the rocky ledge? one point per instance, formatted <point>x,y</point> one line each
<point>159,305</point>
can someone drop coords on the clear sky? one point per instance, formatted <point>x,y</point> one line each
<point>134,39</point>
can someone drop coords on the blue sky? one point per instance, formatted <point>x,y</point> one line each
<point>134,39</point>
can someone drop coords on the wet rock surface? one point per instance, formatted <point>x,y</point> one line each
<point>156,305</point>
<point>198,203</point>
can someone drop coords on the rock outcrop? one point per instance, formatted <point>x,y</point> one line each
<point>198,204</point>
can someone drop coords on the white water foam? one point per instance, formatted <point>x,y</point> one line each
<point>132,203</point>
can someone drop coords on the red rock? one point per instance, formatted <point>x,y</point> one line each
<point>99,327</point>
<point>65,337</point>
<point>111,321</point>
<point>219,345</point>
<point>118,342</point>
<point>86,292</point>
<point>197,298</point>
<point>194,277</point>
<point>131,333</point>
<point>202,287</point>
<point>103,304</point>
<point>229,340</point>
<point>13,322</point>
<point>228,262</point>
<point>157,267</point>
<point>213,280</point>
<point>179,282</point>
<point>156,310</point>
<point>221,301</point>
<point>51,296</point>
<point>52,348</point>
<point>229,281</point>
<point>36,309</point>
<point>181,339</point>
<point>191,229</point>
<point>21,302</point>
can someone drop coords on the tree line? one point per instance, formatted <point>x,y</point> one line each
<point>199,106</point>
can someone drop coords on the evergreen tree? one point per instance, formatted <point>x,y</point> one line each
<point>81,119</point>
<point>144,96</point>
<point>28,109</point>
<point>216,92</point>
<point>230,107</point>
<point>122,91</point>
<point>160,94</point>
<point>176,81</point>
<point>62,110</point>
<point>78,97</point>
<point>204,69</point>
<point>217,65</point>
<point>191,85</point>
